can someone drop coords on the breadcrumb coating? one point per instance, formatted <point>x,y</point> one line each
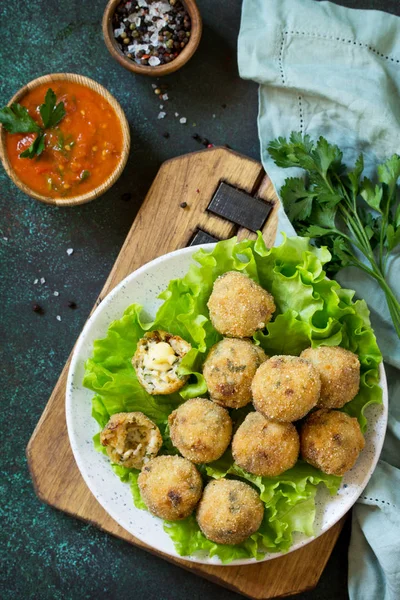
<point>201,430</point>
<point>170,486</point>
<point>339,370</point>
<point>331,440</point>
<point>230,511</point>
<point>266,448</point>
<point>229,370</point>
<point>238,306</point>
<point>285,388</point>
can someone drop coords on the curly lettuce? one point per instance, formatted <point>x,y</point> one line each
<point>311,311</point>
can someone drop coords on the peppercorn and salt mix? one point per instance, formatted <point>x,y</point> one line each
<point>151,32</point>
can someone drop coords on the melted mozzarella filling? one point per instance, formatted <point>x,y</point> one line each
<point>160,357</point>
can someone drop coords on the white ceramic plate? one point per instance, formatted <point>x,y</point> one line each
<point>143,287</point>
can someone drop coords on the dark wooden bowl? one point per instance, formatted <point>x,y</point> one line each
<point>174,65</point>
<point>100,189</point>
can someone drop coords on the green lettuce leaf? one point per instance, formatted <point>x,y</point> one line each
<point>311,311</point>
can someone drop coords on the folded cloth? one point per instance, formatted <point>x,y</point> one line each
<point>333,71</point>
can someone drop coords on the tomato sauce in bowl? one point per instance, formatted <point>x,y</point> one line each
<point>81,152</point>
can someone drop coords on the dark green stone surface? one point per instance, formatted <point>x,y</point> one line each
<point>45,554</point>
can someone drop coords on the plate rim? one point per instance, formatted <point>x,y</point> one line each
<point>74,445</point>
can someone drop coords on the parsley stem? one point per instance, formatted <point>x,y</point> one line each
<point>357,224</point>
<point>392,302</point>
<point>357,230</point>
<point>394,309</point>
<point>384,222</point>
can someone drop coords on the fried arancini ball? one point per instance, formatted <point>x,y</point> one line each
<point>170,486</point>
<point>201,430</point>
<point>331,441</point>
<point>229,512</point>
<point>131,439</point>
<point>238,306</point>
<point>339,370</point>
<point>263,447</point>
<point>229,370</point>
<point>285,388</point>
<point>156,360</point>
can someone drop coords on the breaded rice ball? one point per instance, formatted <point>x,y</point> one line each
<point>131,439</point>
<point>339,370</point>
<point>229,512</point>
<point>170,486</point>
<point>238,306</point>
<point>200,430</point>
<point>285,388</point>
<point>331,441</point>
<point>266,448</point>
<point>229,370</point>
<point>156,360</point>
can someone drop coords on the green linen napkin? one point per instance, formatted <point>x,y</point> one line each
<point>332,71</point>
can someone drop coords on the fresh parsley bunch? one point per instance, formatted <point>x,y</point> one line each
<point>358,221</point>
<point>16,119</point>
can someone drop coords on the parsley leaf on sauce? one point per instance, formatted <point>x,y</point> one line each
<point>36,148</point>
<point>16,119</point>
<point>50,112</point>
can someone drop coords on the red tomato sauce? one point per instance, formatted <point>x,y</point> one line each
<point>80,153</point>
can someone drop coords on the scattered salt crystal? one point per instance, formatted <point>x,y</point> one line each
<point>36,281</point>
<point>154,61</point>
<point>161,106</point>
<point>165,97</point>
<point>183,120</point>
<point>58,318</point>
<point>117,32</point>
<point>160,7</point>
<point>154,38</point>
<point>177,114</point>
<point>5,238</point>
<point>214,116</point>
<point>70,251</point>
<point>154,85</point>
<point>142,3</point>
<point>56,293</point>
<point>161,115</point>
<point>42,280</point>
<point>137,21</point>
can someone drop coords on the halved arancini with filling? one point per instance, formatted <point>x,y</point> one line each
<point>156,361</point>
<point>131,439</point>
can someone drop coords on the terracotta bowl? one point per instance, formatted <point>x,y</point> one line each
<point>174,65</point>
<point>99,190</point>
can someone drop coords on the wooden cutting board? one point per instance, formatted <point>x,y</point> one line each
<point>196,198</point>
